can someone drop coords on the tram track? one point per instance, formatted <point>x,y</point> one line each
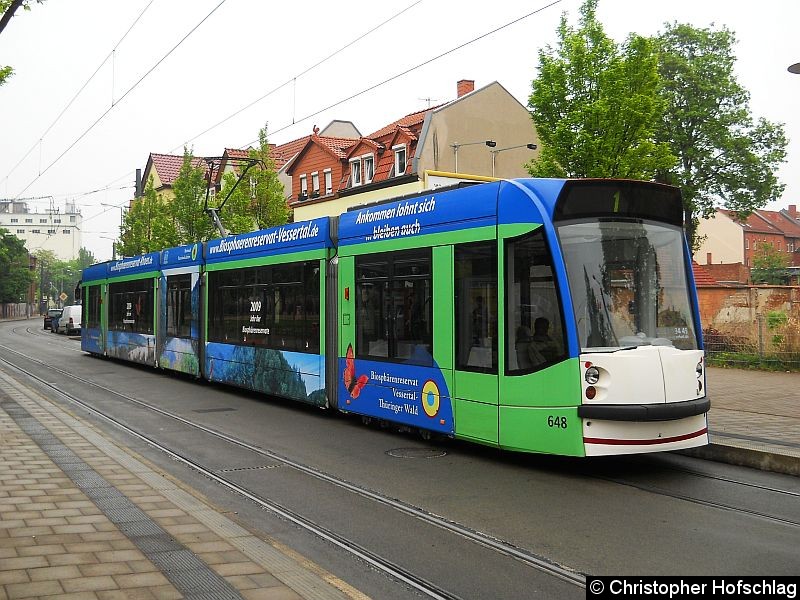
<point>374,560</point>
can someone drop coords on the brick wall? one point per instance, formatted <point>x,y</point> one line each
<point>728,272</point>
<point>722,306</point>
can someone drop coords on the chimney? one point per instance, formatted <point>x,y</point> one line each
<point>138,193</point>
<point>465,86</point>
<point>793,211</point>
<point>708,258</point>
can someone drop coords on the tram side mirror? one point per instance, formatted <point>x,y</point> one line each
<point>77,292</point>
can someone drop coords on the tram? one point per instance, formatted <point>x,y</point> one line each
<point>533,315</point>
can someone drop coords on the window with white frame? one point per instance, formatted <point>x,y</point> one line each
<point>369,167</point>
<point>328,182</point>
<point>747,244</point>
<point>304,186</point>
<point>355,172</point>
<point>399,159</point>
<point>20,231</point>
<point>315,184</point>
<point>29,220</point>
<point>15,220</point>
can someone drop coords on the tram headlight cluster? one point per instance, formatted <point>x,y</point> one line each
<point>592,375</point>
<point>699,371</point>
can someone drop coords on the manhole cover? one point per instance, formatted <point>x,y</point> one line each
<point>416,453</point>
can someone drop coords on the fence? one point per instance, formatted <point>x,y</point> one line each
<point>771,341</point>
<point>19,310</point>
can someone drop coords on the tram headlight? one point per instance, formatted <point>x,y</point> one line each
<point>699,369</point>
<point>592,375</point>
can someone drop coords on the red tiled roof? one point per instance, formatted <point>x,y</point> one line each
<point>283,153</point>
<point>782,221</point>
<point>701,276</point>
<point>752,223</point>
<point>237,153</point>
<point>168,166</point>
<point>336,145</point>
<point>411,121</point>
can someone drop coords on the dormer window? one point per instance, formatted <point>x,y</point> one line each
<point>303,187</point>
<point>315,184</point>
<point>369,167</point>
<point>328,182</point>
<point>355,172</point>
<point>399,159</point>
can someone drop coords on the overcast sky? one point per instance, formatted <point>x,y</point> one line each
<point>247,48</point>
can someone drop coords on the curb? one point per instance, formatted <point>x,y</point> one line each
<point>745,457</point>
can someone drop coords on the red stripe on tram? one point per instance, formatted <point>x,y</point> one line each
<point>619,442</point>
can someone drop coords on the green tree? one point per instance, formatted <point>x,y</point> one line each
<point>187,208</point>
<point>7,10</point>
<point>769,265</point>
<point>722,155</point>
<point>147,226</point>
<point>15,273</point>
<point>596,105</point>
<point>258,202</point>
<point>85,259</point>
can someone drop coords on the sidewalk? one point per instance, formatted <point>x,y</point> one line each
<point>83,519</point>
<point>754,419</point>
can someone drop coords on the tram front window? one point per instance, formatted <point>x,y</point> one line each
<point>628,283</point>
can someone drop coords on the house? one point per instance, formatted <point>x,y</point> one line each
<point>787,221</point>
<point>163,169</point>
<point>729,240</point>
<point>481,134</point>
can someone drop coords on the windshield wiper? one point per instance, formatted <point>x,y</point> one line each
<point>607,349</point>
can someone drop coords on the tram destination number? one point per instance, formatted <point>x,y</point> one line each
<point>557,422</point>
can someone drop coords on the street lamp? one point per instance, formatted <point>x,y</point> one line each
<point>494,152</point>
<point>795,68</point>
<point>113,246</point>
<point>121,213</point>
<point>456,146</point>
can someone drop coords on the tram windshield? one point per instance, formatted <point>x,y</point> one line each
<point>628,284</point>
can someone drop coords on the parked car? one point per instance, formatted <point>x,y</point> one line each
<point>70,320</point>
<point>48,317</point>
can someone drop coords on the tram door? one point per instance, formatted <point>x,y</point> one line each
<point>476,336</point>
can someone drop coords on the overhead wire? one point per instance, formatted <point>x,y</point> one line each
<point>332,105</point>
<point>295,77</point>
<point>117,103</point>
<point>288,81</point>
<point>409,70</point>
<point>78,93</point>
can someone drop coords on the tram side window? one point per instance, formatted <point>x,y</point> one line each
<point>394,307</point>
<point>179,305</point>
<point>131,306</point>
<point>476,306</point>
<point>535,328</point>
<point>92,304</point>
<point>274,306</point>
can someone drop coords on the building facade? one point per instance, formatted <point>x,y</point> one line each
<point>51,229</point>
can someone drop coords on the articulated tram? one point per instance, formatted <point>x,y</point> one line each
<point>533,315</point>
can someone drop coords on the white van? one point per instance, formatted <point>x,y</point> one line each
<point>70,320</point>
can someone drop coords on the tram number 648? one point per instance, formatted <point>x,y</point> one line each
<point>557,422</point>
